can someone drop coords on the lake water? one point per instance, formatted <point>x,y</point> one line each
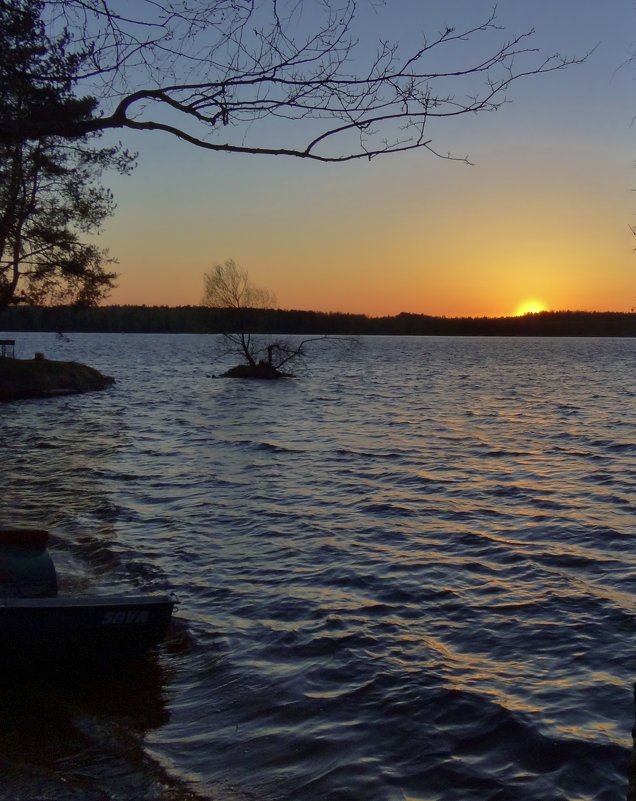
<point>407,575</point>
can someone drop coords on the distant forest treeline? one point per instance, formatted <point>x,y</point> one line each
<point>198,320</point>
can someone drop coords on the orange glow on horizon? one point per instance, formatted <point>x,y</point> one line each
<point>530,306</point>
<point>384,247</point>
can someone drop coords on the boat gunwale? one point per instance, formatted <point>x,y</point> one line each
<point>93,601</point>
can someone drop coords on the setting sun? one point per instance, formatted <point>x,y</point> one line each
<point>530,307</point>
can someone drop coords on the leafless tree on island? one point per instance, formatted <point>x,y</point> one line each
<point>228,291</point>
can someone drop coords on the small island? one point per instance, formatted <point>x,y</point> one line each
<point>42,378</point>
<point>259,370</point>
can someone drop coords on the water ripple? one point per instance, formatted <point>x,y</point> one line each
<point>406,575</point>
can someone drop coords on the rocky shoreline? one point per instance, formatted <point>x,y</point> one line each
<point>42,378</point>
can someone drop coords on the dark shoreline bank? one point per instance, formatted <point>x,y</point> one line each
<point>21,379</point>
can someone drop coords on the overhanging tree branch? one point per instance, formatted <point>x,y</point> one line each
<point>231,75</point>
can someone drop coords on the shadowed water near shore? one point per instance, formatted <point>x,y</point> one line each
<point>72,735</point>
<point>406,575</point>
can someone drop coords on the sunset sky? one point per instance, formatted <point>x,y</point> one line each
<point>542,218</point>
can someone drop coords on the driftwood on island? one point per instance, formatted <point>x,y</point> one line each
<point>42,378</point>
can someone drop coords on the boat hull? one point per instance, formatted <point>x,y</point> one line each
<point>47,630</point>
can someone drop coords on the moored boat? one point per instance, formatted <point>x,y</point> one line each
<point>37,626</point>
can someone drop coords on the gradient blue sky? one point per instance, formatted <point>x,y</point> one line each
<point>543,215</point>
